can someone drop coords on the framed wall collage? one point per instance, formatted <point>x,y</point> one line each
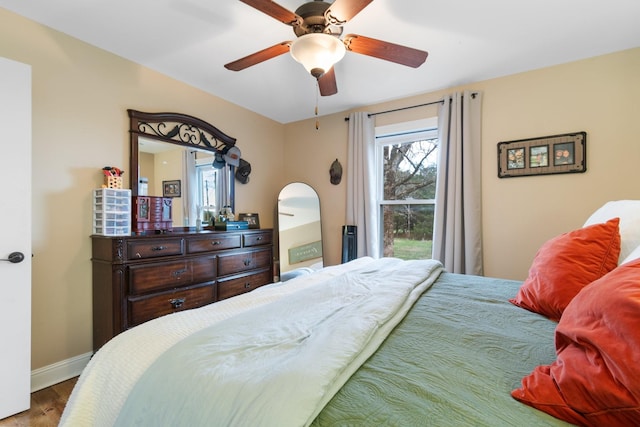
<point>565,153</point>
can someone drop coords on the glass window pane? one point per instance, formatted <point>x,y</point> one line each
<point>207,184</point>
<point>407,231</point>
<point>410,170</point>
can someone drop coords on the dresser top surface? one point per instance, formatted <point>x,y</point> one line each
<point>183,233</point>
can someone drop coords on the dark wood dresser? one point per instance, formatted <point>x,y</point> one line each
<point>139,278</point>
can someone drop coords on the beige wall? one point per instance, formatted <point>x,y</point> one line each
<point>146,162</point>
<point>80,124</point>
<point>599,95</point>
<point>80,97</point>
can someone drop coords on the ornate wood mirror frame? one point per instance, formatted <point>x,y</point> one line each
<point>179,129</point>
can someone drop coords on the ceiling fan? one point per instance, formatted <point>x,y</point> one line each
<point>318,27</point>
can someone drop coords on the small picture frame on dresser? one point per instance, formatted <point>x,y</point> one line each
<point>252,218</point>
<point>171,188</point>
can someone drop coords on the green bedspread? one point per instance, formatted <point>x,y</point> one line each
<point>452,361</point>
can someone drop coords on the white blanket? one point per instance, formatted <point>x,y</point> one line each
<point>115,371</point>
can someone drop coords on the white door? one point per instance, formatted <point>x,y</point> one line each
<point>15,237</point>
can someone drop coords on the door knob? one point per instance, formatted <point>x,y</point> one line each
<point>14,257</point>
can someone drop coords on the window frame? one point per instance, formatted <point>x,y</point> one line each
<point>201,164</point>
<point>398,133</point>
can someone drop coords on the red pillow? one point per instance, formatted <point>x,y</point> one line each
<point>595,380</point>
<point>566,264</point>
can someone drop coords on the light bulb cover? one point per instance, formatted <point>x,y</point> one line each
<point>317,52</point>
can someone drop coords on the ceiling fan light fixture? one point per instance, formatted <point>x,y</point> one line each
<point>317,52</point>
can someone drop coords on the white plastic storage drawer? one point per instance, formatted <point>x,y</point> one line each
<point>107,230</point>
<point>111,200</point>
<point>112,212</point>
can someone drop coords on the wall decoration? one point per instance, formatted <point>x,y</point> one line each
<point>566,153</point>
<point>335,172</point>
<point>171,188</point>
<point>252,218</point>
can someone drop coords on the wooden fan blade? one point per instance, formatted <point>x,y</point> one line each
<point>327,83</point>
<point>384,50</point>
<point>343,10</point>
<point>258,57</point>
<point>274,10</point>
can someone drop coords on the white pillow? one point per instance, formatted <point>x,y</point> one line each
<point>629,213</point>
<point>635,254</point>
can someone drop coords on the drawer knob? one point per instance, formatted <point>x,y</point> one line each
<point>216,242</point>
<point>177,302</point>
<point>259,238</point>
<point>158,248</point>
<point>247,285</point>
<point>247,262</point>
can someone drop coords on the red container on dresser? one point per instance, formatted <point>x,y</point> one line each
<point>151,214</point>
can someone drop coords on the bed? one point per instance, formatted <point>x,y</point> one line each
<point>373,342</point>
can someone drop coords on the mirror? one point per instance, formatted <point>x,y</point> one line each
<point>170,147</point>
<point>299,229</point>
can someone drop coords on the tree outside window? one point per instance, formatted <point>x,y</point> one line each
<point>407,193</point>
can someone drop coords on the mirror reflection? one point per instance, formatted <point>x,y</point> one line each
<point>204,189</point>
<point>300,232</point>
<point>183,157</point>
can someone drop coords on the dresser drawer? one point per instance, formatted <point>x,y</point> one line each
<point>239,285</point>
<point>173,274</point>
<point>238,263</point>
<point>204,269</point>
<point>149,307</point>
<point>257,239</point>
<point>154,277</point>
<point>154,248</point>
<point>214,242</point>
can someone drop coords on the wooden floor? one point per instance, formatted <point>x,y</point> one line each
<point>46,407</point>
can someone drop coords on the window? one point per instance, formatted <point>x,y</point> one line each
<point>207,179</point>
<point>406,159</point>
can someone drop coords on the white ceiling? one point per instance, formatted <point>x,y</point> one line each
<point>467,41</point>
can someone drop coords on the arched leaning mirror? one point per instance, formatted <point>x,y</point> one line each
<point>299,230</point>
<point>182,155</point>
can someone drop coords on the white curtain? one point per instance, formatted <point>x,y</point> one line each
<point>361,183</point>
<point>189,189</point>
<point>457,233</point>
<point>223,188</point>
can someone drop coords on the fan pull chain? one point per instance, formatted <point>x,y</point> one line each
<point>316,110</point>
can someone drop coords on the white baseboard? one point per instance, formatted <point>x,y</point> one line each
<point>58,372</point>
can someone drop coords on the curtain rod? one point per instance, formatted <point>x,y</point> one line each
<point>346,119</point>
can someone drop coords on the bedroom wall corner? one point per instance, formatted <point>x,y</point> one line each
<point>309,154</point>
<point>80,124</point>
